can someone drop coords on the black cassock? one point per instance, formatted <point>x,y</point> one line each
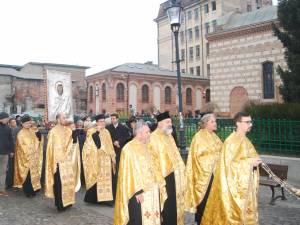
<point>169,212</point>
<point>135,210</point>
<point>201,206</point>
<point>119,133</point>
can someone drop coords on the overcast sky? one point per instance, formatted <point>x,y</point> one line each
<point>96,33</point>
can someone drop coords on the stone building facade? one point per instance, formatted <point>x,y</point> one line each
<point>143,88</point>
<point>244,55</point>
<point>24,87</point>
<point>199,18</point>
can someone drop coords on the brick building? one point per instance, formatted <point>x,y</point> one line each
<point>144,87</point>
<point>243,55</point>
<point>198,19</point>
<point>231,43</point>
<point>23,87</point>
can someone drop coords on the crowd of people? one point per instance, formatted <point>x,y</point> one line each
<point>135,167</point>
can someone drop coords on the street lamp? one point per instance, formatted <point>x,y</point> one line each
<point>174,13</point>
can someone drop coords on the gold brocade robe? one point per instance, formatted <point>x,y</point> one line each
<point>137,172</point>
<point>168,160</point>
<point>98,164</point>
<point>233,197</point>
<point>28,157</point>
<point>62,151</point>
<point>203,155</point>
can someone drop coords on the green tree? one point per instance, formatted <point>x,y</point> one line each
<point>289,35</point>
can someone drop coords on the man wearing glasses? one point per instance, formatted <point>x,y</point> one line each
<point>233,198</point>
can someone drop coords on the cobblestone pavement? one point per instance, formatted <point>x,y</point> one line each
<point>19,210</point>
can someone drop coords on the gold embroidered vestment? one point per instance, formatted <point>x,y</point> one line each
<point>233,197</point>
<point>168,160</point>
<point>137,173</point>
<point>98,164</point>
<point>62,151</point>
<point>28,157</point>
<point>204,153</point>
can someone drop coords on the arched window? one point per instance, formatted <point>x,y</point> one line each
<point>168,96</point>
<point>268,80</point>
<point>188,96</point>
<point>103,92</point>
<point>207,95</point>
<point>91,94</point>
<point>120,92</point>
<point>145,93</point>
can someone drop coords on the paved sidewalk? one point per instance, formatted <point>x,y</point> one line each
<point>19,210</point>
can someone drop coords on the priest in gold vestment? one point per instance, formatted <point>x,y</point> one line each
<point>233,196</point>
<point>28,158</point>
<point>99,161</point>
<point>62,175</point>
<point>203,155</point>
<point>171,167</point>
<point>139,183</point>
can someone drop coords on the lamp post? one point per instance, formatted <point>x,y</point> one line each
<point>174,14</point>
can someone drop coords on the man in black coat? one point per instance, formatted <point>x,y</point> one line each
<point>81,134</point>
<point>12,123</point>
<point>120,136</point>
<point>6,149</point>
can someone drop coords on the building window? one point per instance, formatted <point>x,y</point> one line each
<point>182,70</point>
<point>182,37</point>
<point>258,4</point>
<point>198,73</point>
<point>182,19</point>
<point>145,93</point>
<point>249,8</point>
<point>207,48</point>
<point>97,90</point>
<point>189,15</point>
<point>214,25</point>
<point>192,70</point>
<point>168,95</point>
<point>208,70</point>
<point>268,80</point>
<point>191,53</point>
<point>207,95</point>
<point>197,51</point>
<point>196,14</point>
<point>207,28</point>
<point>206,8</point>
<point>182,54</point>
<point>120,92</point>
<point>103,92</point>
<point>91,94</point>
<point>213,6</point>
<point>197,32</point>
<point>190,34</point>
<point>188,96</point>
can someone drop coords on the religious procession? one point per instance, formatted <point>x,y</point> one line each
<point>137,171</point>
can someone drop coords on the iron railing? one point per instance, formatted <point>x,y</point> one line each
<point>270,136</point>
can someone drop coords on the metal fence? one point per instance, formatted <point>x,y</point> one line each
<point>270,136</point>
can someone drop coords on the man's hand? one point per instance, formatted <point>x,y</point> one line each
<point>140,198</point>
<point>255,161</point>
<point>117,144</point>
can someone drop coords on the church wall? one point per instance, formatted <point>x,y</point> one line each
<point>236,60</point>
